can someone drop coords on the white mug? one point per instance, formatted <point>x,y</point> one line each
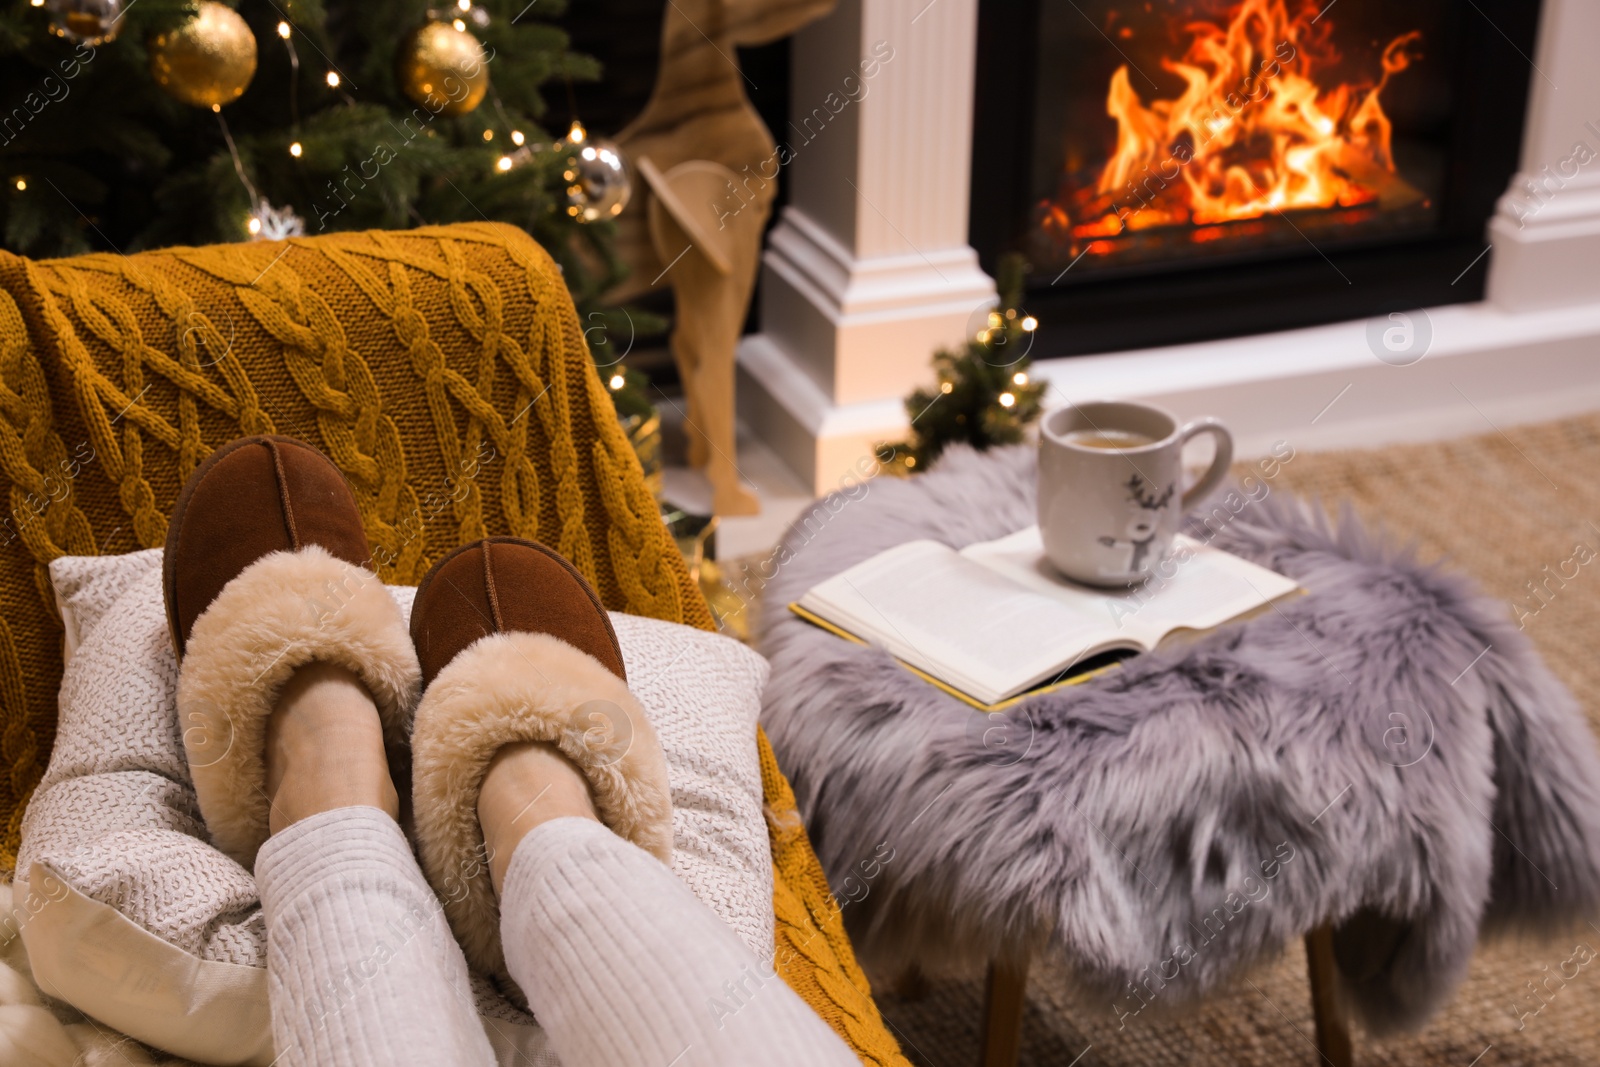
<point>1109,478</point>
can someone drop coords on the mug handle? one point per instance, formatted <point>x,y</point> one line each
<point>1219,465</point>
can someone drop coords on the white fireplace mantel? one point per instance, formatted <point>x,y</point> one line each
<point>868,272</point>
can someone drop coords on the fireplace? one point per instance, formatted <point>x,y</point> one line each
<point>1180,170</point>
<point>875,261</point>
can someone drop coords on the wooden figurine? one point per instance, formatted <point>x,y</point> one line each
<point>710,170</point>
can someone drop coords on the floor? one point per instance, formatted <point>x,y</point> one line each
<point>783,496</point>
<point>1503,506</point>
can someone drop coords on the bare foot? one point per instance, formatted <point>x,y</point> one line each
<point>527,784</point>
<point>325,748</point>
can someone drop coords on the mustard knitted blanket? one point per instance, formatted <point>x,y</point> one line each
<point>443,369</point>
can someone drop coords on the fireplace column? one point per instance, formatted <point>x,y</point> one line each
<point>1546,232</point>
<point>868,271</point>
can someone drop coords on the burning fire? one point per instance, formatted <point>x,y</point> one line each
<point>1251,133</point>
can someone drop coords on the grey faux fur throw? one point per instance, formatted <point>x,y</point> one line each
<point>1388,753</point>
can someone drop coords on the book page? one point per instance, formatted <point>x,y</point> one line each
<point>957,620</point>
<point>1194,587</point>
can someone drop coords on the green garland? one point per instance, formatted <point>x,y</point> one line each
<point>984,396</point>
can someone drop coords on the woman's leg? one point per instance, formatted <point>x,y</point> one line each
<point>361,965</point>
<point>619,960</point>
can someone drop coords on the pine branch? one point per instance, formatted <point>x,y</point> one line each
<point>984,395</point>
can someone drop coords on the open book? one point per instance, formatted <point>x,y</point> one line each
<point>996,620</point>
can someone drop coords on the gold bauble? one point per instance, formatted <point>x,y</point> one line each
<point>208,61</point>
<point>444,69</point>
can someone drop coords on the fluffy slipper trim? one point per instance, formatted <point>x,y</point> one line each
<point>513,687</point>
<point>284,610</point>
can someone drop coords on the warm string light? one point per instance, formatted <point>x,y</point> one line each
<point>577,134</point>
<point>488,135</point>
<point>22,184</point>
<point>254,225</point>
<point>514,158</point>
<point>477,15</point>
<point>994,322</point>
<point>296,149</point>
<point>1007,399</point>
<point>517,138</point>
<point>617,381</point>
<point>1019,378</point>
<point>285,33</point>
<point>333,79</point>
<point>238,167</point>
<point>997,322</point>
<point>946,387</point>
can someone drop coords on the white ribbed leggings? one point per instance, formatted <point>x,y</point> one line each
<point>619,961</point>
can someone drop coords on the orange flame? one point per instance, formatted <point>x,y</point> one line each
<point>1251,133</point>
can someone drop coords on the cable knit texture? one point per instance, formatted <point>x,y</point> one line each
<point>445,372</point>
<point>625,968</point>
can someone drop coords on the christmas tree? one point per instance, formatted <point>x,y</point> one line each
<point>353,115</point>
<point>984,396</point>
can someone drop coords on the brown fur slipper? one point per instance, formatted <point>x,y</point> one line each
<point>262,575</point>
<point>515,646</point>
<point>253,496</point>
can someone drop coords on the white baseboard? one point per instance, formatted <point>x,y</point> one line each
<point>1324,387</point>
<point>1318,388</point>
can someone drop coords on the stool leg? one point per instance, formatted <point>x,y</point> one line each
<point>1005,996</point>
<point>1333,1035</point>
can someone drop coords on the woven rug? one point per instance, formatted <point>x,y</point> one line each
<point>1502,506</point>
